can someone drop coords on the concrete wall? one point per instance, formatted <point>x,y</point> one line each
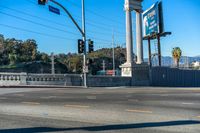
<point>57,79</point>
<point>16,79</point>
<point>108,81</point>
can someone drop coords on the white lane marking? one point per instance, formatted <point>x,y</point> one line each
<point>96,93</point>
<point>2,98</point>
<point>188,103</point>
<point>48,97</point>
<point>139,111</point>
<point>164,95</point>
<point>163,91</point>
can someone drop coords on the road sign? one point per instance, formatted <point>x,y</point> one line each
<point>85,69</point>
<point>54,10</point>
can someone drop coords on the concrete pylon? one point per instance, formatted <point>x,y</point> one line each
<point>139,40</point>
<point>127,67</point>
<point>129,38</point>
<point>132,5</point>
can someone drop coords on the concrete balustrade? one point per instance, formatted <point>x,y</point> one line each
<point>17,79</point>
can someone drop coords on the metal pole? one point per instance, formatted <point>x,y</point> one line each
<point>113,54</point>
<point>84,39</point>
<point>149,47</point>
<point>159,50</point>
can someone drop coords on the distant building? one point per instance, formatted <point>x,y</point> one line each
<point>196,64</point>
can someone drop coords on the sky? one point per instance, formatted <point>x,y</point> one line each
<point>25,19</point>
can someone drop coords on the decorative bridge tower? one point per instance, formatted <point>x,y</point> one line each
<point>133,5</point>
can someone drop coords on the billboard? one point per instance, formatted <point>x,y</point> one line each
<point>153,19</point>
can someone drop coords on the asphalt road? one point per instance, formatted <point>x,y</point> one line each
<point>134,110</point>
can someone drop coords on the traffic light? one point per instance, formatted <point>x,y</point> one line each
<point>42,2</point>
<point>81,46</point>
<point>91,45</point>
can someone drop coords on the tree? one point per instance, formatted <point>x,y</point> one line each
<point>28,50</point>
<point>176,54</point>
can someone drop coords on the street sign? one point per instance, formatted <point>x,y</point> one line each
<point>54,10</point>
<point>85,69</point>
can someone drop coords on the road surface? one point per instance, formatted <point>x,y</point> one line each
<point>117,109</point>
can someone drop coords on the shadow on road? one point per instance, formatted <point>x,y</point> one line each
<point>101,128</point>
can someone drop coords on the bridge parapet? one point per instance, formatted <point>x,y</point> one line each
<point>8,79</point>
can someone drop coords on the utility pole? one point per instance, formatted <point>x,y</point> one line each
<point>113,53</point>
<point>52,64</point>
<point>104,66</point>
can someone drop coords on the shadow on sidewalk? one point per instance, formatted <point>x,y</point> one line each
<point>101,128</point>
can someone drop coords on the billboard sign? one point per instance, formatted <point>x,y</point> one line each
<point>153,19</point>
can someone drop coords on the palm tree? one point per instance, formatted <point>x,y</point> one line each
<point>176,54</point>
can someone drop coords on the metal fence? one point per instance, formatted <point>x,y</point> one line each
<point>174,77</point>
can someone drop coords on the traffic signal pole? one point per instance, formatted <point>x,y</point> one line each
<point>84,40</point>
<point>83,33</point>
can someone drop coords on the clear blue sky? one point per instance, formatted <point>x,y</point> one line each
<point>23,19</point>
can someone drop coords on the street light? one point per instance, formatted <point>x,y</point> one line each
<point>82,31</point>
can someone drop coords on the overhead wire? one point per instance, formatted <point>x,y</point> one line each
<point>92,24</point>
<point>46,26</point>
<point>36,23</point>
<point>35,32</point>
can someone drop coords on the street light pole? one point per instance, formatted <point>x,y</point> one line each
<point>83,33</point>
<point>84,40</point>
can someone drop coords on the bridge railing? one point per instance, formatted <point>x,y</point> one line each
<point>7,79</point>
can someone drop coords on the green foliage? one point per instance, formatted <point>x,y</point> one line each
<point>24,56</point>
<point>176,54</point>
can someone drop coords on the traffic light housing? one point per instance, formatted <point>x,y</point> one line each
<point>42,2</point>
<point>91,46</point>
<point>81,46</point>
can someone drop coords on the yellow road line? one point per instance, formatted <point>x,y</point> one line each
<point>139,111</point>
<point>20,95</point>
<point>31,103</point>
<point>133,100</point>
<point>76,106</point>
<point>91,97</point>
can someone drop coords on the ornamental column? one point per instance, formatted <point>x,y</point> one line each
<point>131,5</point>
<point>139,40</point>
<point>129,37</point>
